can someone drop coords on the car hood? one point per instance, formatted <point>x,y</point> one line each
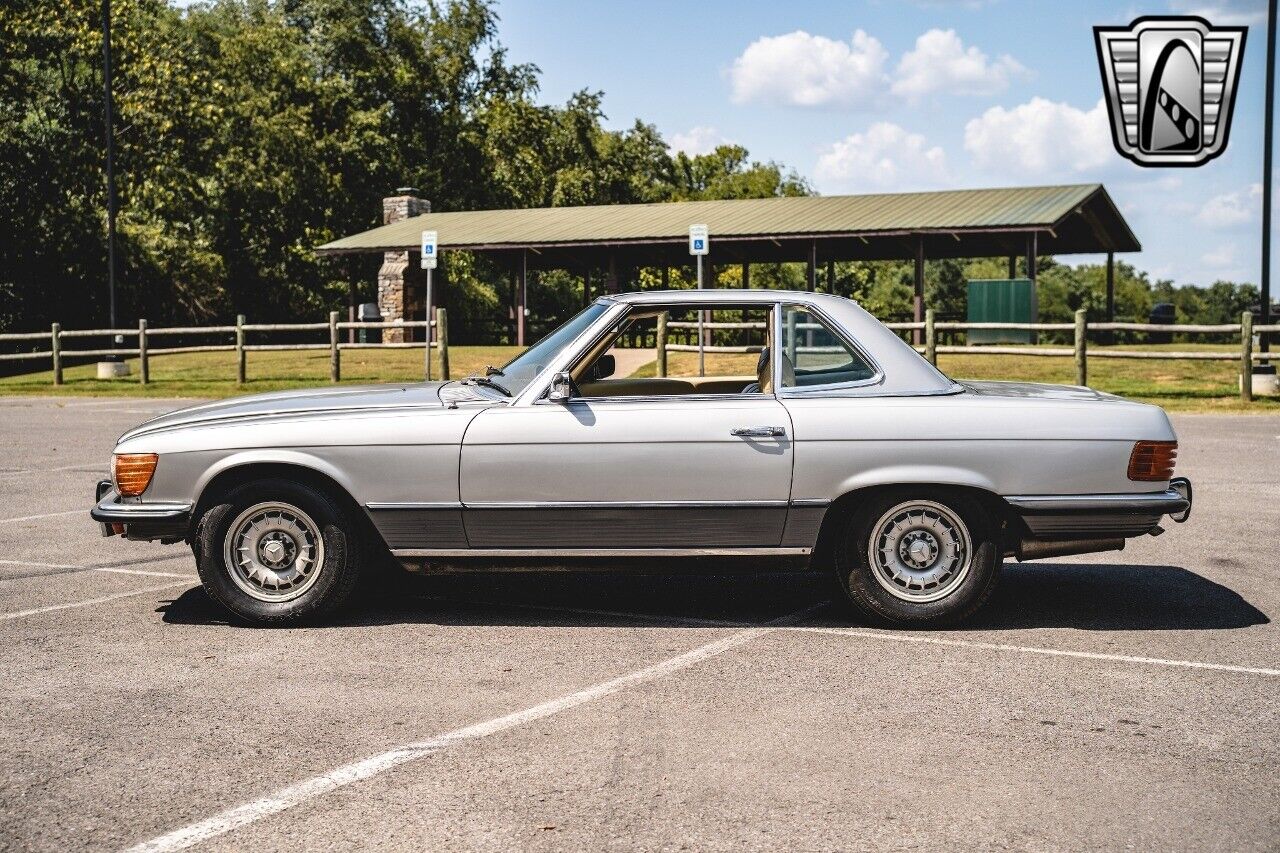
<point>309,402</point>
<point>1038,391</point>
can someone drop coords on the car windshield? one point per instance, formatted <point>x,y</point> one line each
<point>516,374</point>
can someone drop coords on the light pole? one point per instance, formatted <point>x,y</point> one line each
<point>1268,126</point>
<point>111,163</point>
<point>111,366</point>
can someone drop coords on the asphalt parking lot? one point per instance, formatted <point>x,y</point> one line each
<point>1115,701</point>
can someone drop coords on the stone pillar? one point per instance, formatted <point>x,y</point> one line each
<point>401,285</point>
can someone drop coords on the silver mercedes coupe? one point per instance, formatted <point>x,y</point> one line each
<point>654,426</point>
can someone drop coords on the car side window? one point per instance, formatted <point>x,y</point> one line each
<point>813,354</point>
<point>654,353</point>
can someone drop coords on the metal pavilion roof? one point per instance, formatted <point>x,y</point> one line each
<point>1065,219</point>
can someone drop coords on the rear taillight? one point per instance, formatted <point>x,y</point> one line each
<point>1153,460</point>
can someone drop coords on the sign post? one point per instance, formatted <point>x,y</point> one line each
<point>430,259</point>
<point>699,245</point>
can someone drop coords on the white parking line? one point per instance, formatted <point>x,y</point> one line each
<point>1036,650</point>
<point>287,798</point>
<point>100,600</point>
<point>45,515</point>
<point>24,471</point>
<point>112,569</point>
<point>35,565</point>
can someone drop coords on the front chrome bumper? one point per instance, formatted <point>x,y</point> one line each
<point>1093,516</point>
<point>164,521</point>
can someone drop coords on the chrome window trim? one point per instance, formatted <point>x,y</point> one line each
<point>540,398</point>
<point>410,505</point>
<point>842,335</point>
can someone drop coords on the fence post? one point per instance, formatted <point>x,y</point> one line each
<point>1082,344</point>
<point>55,344</point>
<point>930,338</point>
<point>661,342</point>
<point>335,360</point>
<point>1246,357</point>
<point>240,371</point>
<point>442,341</point>
<point>144,366</point>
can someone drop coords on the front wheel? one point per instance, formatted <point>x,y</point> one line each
<point>918,558</point>
<point>276,552</point>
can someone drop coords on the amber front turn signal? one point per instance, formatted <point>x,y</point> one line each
<point>1153,460</point>
<point>132,472</point>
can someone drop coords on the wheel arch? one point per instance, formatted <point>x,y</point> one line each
<point>295,467</point>
<point>841,509</point>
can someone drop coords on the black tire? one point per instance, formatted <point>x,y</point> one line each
<point>319,592</point>
<point>970,584</point>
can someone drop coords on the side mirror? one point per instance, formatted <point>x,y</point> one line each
<point>605,366</point>
<point>561,390</point>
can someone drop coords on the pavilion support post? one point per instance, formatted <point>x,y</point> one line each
<point>1013,266</point>
<point>746,275</point>
<point>811,270</point>
<point>831,275</point>
<point>586,287</point>
<point>661,343</point>
<point>1111,294</point>
<point>522,292</point>
<point>611,277</point>
<point>666,277</point>
<point>1032,273</point>
<point>917,335</point>
<point>1111,287</point>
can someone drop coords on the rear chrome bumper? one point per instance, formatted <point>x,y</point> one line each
<point>1093,516</point>
<point>165,521</point>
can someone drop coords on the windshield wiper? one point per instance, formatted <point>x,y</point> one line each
<point>490,370</point>
<point>487,383</point>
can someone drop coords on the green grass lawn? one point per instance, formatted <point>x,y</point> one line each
<point>1177,385</point>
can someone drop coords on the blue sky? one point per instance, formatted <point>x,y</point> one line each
<point>873,95</point>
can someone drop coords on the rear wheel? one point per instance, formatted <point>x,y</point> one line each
<point>918,557</point>
<point>276,552</point>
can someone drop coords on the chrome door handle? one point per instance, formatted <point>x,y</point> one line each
<point>758,432</point>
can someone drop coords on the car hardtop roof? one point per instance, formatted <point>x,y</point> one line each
<point>719,294</point>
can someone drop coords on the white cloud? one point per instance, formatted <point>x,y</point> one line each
<point>884,157</point>
<point>1230,209</point>
<point>1223,12</point>
<point>941,63</point>
<point>799,69</point>
<point>699,140</point>
<point>1041,139</point>
<point>1221,257</point>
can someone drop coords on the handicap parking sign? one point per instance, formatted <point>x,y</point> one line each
<point>699,240</point>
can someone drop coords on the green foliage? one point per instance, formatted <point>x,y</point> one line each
<point>250,131</point>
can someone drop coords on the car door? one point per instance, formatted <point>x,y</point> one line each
<point>682,472</point>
